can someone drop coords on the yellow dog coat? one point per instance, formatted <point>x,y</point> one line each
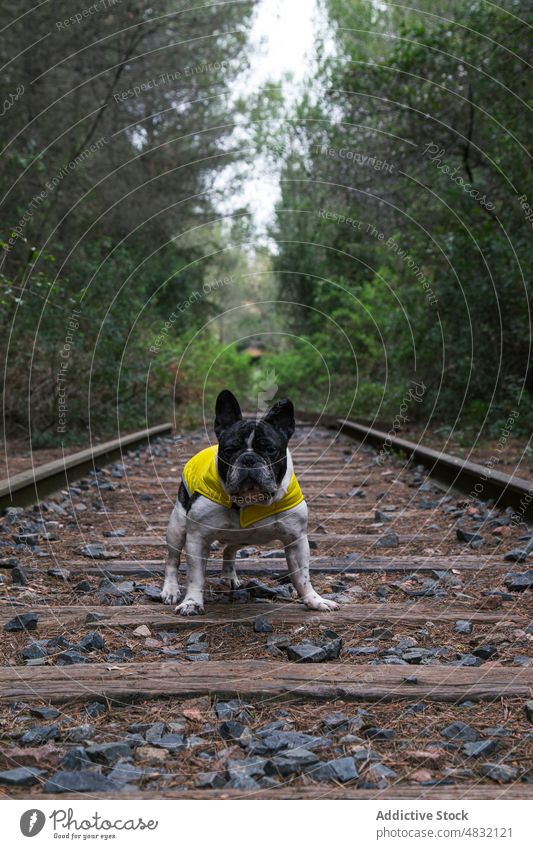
<point>200,475</point>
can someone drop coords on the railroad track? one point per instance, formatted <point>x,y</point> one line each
<point>423,685</point>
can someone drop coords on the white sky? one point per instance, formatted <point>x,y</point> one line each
<point>281,42</point>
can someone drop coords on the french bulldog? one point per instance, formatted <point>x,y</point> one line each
<point>241,492</point>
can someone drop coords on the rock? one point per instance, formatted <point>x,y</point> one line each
<point>463,626</point>
<point>47,755</point>
<point>95,709</point>
<point>119,532</point>
<point>242,782</point>
<point>362,651</point>
<point>151,755</point>
<point>45,712</point>
<point>108,753</point>
<point>79,733</point>
<point>460,731</point>
<point>125,772</point>
<point>210,780</point>
<point>306,653</point>
<point>79,781</point>
<point>227,710</point>
<point>153,593</point>
<point>485,652</point>
<point>467,660</point>
<point>466,536</point>
<point>262,625</point>
<point>528,707</point>
<point>40,734</point>
<point>18,576</point>
<point>499,772</point>
<point>68,658</point>
<point>374,733</point>
<point>83,587</point>
<point>378,775</point>
<point>275,741</point>
<point>92,642</point>
<point>340,769</point>
<point>336,720</point>
<point>23,622</point>
<point>76,758</point>
<point>34,650</point>
<point>94,617</point>
<point>9,563</point>
<point>379,516</point>
<point>121,654</point>
<point>170,742</point>
<point>522,660</point>
<point>388,540</point>
<point>142,631</point>
<point>480,748</point>
<point>519,581</point>
<point>95,550</point>
<point>516,555</point>
<point>152,732</point>
<point>290,763</point>
<point>22,776</point>
<point>416,656</point>
<point>231,730</point>
<point>252,768</point>
<point>61,574</point>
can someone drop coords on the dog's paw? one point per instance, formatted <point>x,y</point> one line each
<point>189,607</point>
<point>230,582</point>
<point>316,602</point>
<point>170,593</point>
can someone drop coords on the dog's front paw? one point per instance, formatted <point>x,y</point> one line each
<point>316,602</point>
<point>189,607</point>
<point>170,592</point>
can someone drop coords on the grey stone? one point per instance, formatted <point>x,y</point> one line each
<point>83,587</point>
<point>251,767</point>
<point>290,763</point>
<point>79,781</point>
<point>485,652</point>
<point>39,734</point>
<point>374,733</point>
<point>45,712</point>
<point>528,707</point>
<point>153,593</point>
<point>22,776</point>
<point>378,775</point>
<point>210,780</point>
<point>276,741</point>
<point>68,658</point>
<point>336,720</point>
<point>108,753</point>
<point>170,742</point>
<point>516,555</point>
<point>152,732</point>
<point>467,660</point>
<point>95,550</point>
<point>499,772</point>
<point>242,782</point>
<point>56,572</point>
<point>388,540</point>
<point>23,622</point>
<point>231,730</point>
<point>340,769</point>
<point>125,772</point>
<point>79,733</point>
<point>480,748</point>
<point>460,731</point>
<point>18,576</point>
<point>362,651</point>
<point>463,626</point>
<point>519,581</point>
<point>466,536</point>
<point>92,642</point>
<point>95,709</point>
<point>34,650</point>
<point>76,758</point>
<point>262,625</point>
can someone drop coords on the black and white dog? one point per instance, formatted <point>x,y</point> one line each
<point>241,492</point>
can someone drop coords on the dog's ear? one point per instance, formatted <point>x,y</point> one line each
<point>281,418</point>
<point>227,411</point>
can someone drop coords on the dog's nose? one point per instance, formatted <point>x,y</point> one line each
<point>248,460</point>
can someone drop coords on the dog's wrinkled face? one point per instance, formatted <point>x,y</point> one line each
<point>252,456</point>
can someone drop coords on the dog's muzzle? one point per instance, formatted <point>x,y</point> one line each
<point>250,479</point>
